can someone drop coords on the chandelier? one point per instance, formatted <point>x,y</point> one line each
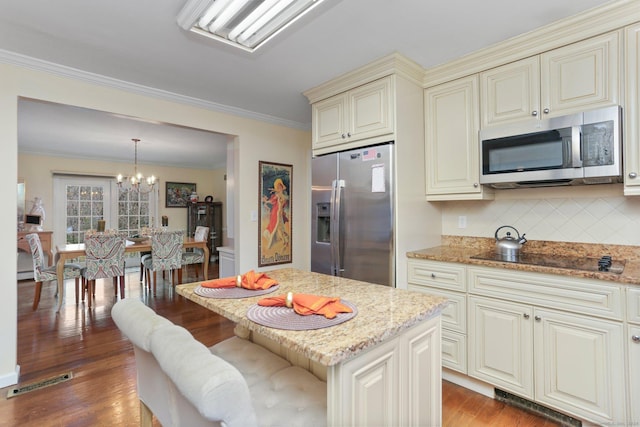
<point>136,182</point>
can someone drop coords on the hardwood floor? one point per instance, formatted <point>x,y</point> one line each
<point>102,391</point>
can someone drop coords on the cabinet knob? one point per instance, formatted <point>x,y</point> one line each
<point>348,134</point>
<point>433,275</point>
<point>344,136</point>
<point>475,185</point>
<point>534,113</point>
<point>525,315</point>
<point>635,338</point>
<point>633,175</point>
<point>538,318</point>
<point>546,111</point>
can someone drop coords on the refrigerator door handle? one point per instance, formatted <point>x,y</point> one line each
<point>336,196</point>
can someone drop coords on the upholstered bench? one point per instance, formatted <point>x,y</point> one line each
<point>235,383</point>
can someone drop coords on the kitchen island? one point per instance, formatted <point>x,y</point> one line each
<point>382,367</point>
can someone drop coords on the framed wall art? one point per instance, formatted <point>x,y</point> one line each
<point>178,194</point>
<point>274,240</point>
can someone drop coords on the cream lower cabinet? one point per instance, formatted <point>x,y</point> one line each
<point>452,149</point>
<point>579,365</point>
<point>529,335</point>
<point>446,280</point>
<point>570,79</point>
<point>397,383</point>
<point>633,341</point>
<point>501,344</point>
<point>634,374</point>
<point>361,113</point>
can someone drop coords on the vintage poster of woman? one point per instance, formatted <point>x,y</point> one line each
<point>274,241</point>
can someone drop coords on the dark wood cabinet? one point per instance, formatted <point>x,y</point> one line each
<point>206,214</point>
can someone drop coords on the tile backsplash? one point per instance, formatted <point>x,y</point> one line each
<point>586,214</point>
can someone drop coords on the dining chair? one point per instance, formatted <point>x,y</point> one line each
<point>196,255</point>
<point>105,259</point>
<point>42,273</point>
<point>166,255</point>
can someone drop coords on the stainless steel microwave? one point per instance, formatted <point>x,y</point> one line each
<point>583,148</point>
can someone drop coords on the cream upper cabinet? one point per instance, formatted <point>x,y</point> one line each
<point>631,140</point>
<point>361,113</point>
<point>452,122</point>
<point>511,92</point>
<point>577,77</point>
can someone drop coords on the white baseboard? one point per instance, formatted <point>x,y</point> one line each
<point>468,382</point>
<point>11,378</point>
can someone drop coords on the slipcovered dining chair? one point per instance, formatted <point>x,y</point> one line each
<point>42,273</point>
<point>196,256</point>
<point>166,255</point>
<point>105,259</point>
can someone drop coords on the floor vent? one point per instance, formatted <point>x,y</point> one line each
<point>40,384</point>
<point>527,405</point>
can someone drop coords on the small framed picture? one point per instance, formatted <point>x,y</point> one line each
<point>178,194</point>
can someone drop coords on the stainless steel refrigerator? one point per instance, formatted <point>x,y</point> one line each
<point>353,214</point>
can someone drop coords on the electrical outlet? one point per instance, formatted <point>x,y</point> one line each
<point>462,221</point>
<point>254,216</point>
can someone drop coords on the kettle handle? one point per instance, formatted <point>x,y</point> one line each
<point>508,226</point>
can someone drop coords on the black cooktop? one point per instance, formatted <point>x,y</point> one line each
<point>603,264</point>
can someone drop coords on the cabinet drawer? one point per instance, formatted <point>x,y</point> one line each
<point>454,315</point>
<point>454,351</point>
<point>583,296</point>
<point>633,305</point>
<point>441,275</point>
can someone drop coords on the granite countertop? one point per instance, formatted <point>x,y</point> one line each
<point>461,249</point>
<point>383,312</point>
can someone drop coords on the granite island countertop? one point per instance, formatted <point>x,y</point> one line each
<point>462,249</point>
<point>383,312</point>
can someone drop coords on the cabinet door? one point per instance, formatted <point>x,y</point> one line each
<point>581,76</point>
<point>423,366</point>
<point>511,93</point>
<point>370,110</point>
<point>634,374</point>
<point>579,366</point>
<point>632,112</point>
<point>365,390</point>
<point>328,124</point>
<point>451,138</point>
<point>500,344</point>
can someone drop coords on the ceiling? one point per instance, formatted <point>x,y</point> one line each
<point>139,42</point>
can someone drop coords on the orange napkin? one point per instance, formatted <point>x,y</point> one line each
<point>305,304</point>
<point>250,280</point>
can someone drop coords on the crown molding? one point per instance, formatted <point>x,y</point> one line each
<point>28,62</point>
<point>593,22</point>
<point>393,64</point>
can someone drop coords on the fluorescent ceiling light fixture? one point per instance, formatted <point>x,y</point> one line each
<point>247,24</point>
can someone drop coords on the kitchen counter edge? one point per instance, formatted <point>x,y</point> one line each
<point>630,275</point>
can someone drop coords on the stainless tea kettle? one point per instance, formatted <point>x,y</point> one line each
<point>509,246</point>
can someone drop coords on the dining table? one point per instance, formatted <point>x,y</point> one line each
<point>382,364</point>
<point>75,250</point>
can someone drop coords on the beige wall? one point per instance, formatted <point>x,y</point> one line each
<point>255,141</point>
<point>36,172</point>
